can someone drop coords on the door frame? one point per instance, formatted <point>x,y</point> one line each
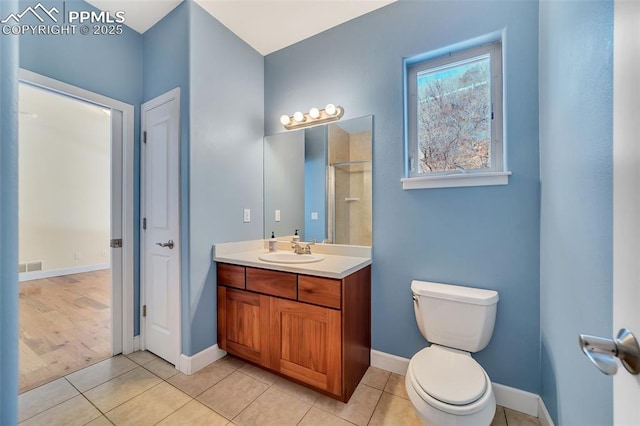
<point>173,94</point>
<point>626,197</point>
<point>122,340</point>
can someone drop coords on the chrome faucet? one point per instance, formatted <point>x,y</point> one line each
<point>301,248</point>
<point>307,248</point>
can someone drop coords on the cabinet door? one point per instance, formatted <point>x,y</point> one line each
<point>244,324</point>
<point>306,343</point>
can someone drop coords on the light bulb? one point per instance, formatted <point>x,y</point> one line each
<point>314,113</point>
<point>298,117</point>
<point>285,119</point>
<point>330,109</point>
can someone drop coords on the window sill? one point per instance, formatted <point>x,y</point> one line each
<point>456,180</point>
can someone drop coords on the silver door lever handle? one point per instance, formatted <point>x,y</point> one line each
<point>167,244</point>
<point>602,352</point>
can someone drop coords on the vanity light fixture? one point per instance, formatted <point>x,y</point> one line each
<point>314,113</point>
<point>315,116</point>
<point>298,117</point>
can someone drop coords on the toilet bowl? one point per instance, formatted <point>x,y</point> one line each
<point>444,383</point>
<point>448,387</point>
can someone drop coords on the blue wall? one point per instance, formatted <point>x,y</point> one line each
<point>227,123</point>
<point>546,250</point>
<point>315,183</point>
<point>484,237</point>
<point>221,81</point>
<point>166,66</point>
<point>221,151</point>
<point>576,143</point>
<point>110,65</point>
<point>8,222</point>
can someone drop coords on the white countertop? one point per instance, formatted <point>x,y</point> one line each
<point>339,261</point>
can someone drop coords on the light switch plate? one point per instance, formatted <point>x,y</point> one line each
<point>247,215</point>
<point>277,215</point>
<point>314,215</point>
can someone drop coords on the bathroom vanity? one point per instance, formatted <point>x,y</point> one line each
<point>308,322</point>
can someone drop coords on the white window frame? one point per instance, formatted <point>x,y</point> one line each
<point>497,174</point>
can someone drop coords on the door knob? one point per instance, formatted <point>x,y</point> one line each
<point>167,244</point>
<point>602,352</point>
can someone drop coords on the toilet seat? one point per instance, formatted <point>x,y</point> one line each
<point>448,375</point>
<point>449,380</point>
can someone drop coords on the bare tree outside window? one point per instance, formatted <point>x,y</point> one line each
<point>454,133</point>
<point>454,117</point>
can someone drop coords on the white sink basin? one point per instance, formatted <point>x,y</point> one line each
<point>287,257</point>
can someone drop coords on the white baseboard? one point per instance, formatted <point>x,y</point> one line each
<point>190,364</point>
<point>512,398</point>
<point>36,275</point>
<point>543,414</point>
<point>395,364</point>
<point>516,399</point>
<point>136,343</point>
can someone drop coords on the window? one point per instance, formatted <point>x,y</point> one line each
<point>454,123</point>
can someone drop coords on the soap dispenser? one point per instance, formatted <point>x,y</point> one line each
<point>296,237</point>
<point>273,243</point>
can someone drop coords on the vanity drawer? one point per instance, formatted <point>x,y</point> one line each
<point>274,283</point>
<point>230,275</point>
<point>319,291</point>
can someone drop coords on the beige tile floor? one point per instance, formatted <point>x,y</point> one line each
<point>141,389</point>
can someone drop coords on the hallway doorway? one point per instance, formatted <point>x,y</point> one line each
<point>65,176</point>
<point>76,229</point>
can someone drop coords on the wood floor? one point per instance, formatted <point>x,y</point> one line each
<point>64,326</point>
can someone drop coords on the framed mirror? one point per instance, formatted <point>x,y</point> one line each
<point>318,181</point>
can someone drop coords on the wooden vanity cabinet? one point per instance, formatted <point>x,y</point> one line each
<point>306,342</point>
<point>244,325</point>
<point>318,334</point>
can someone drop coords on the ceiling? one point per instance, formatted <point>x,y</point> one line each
<point>266,25</point>
<point>57,113</point>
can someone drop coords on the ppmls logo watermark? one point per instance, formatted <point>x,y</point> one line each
<point>40,20</point>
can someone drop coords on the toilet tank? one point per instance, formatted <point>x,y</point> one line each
<point>455,316</point>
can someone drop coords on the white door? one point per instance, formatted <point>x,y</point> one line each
<point>626,198</point>
<point>160,240</point>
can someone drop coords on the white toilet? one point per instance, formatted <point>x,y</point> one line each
<point>446,385</point>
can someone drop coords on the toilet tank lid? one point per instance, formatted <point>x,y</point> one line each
<point>475,296</point>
